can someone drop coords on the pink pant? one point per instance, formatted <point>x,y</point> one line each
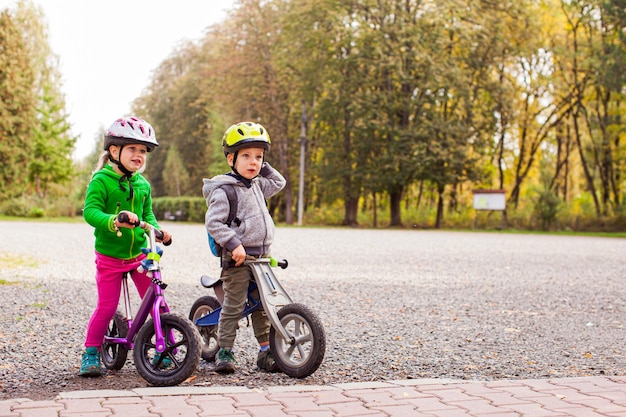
<point>109,272</point>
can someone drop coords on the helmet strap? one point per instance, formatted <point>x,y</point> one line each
<point>234,163</point>
<point>126,174</point>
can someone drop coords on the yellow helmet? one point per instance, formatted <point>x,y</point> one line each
<point>245,135</point>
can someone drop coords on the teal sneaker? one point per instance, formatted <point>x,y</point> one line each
<point>225,361</point>
<point>165,363</point>
<point>90,362</point>
<point>266,361</point>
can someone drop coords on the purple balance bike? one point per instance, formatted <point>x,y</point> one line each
<point>167,347</point>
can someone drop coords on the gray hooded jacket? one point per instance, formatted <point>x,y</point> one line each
<point>256,230</point>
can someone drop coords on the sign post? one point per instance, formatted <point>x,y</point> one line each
<point>489,200</point>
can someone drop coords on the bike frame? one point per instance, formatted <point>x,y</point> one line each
<point>272,294</point>
<point>152,303</point>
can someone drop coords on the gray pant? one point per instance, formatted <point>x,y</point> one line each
<point>235,285</point>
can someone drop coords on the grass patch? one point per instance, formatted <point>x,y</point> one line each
<point>9,261</point>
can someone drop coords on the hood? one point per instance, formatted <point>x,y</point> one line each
<point>210,184</point>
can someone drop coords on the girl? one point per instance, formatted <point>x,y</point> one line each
<point>117,186</point>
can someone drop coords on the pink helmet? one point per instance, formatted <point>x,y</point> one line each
<point>130,130</point>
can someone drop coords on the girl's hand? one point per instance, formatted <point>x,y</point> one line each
<point>167,236</point>
<point>132,219</point>
<point>239,255</point>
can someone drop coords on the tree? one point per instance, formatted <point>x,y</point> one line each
<point>260,83</point>
<point>591,63</point>
<point>50,162</point>
<point>42,145</point>
<point>177,174</point>
<point>405,94</point>
<point>173,105</point>
<point>17,108</point>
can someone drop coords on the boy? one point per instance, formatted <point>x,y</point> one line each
<point>250,234</point>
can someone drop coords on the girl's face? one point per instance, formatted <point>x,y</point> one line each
<point>248,163</point>
<point>133,156</point>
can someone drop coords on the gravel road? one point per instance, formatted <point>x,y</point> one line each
<point>395,305</point>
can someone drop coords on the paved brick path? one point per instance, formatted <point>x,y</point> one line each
<point>588,396</point>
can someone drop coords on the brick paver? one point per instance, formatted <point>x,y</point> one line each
<point>592,396</point>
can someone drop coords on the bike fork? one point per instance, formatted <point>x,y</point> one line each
<point>158,307</point>
<point>129,315</point>
<point>273,296</point>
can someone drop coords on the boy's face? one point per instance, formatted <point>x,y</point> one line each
<point>248,163</point>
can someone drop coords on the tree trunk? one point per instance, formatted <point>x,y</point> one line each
<point>351,208</point>
<point>375,211</point>
<point>395,198</point>
<point>439,220</point>
<point>583,160</point>
<point>288,204</point>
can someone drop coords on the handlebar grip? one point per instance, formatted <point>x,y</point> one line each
<point>159,235</point>
<point>123,218</point>
<point>283,264</point>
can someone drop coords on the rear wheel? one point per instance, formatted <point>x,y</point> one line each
<point>303,353</point>
<point>180,358</point>
<point>114,355</point>
<point>203,306</point>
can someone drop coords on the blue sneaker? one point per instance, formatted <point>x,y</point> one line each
<point>90,362</point>
<point>225,361</point>
<point>165,363</point>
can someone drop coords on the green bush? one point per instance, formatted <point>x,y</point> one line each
<point>25,206</point>
<point>17,207</point>
<point>546,208</point>
<point>36,212</point>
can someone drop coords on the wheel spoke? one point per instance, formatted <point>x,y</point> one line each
<point>301,333</point>
<point>300,336</point>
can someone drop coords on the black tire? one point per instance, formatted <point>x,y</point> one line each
<point>183,352</point>
<point>203,306</point>
<point>114,355</point>
<point>302,357</point>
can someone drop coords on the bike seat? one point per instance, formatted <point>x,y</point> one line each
<point>209,282</point>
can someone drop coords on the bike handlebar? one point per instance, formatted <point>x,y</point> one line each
<point>123,218</point>
<point>272,261</point>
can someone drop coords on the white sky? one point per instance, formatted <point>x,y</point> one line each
<point>109,49</point>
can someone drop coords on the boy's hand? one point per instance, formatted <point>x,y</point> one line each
<point>265,169</point>
<point>239,255</point>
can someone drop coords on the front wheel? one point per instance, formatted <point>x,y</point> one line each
<point>113,354</point>
<point>300,356</point>
<point>203,306</point>
<point>180,358</point>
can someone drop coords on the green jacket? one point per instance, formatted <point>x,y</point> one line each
<point>105,199</point>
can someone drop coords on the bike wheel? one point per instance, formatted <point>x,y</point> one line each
<point>203,306</point>
<point>180,358</point>
<point>114,355</point>
<point>303,354</point>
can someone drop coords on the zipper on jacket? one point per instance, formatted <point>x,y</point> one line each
<point>132,241</point>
